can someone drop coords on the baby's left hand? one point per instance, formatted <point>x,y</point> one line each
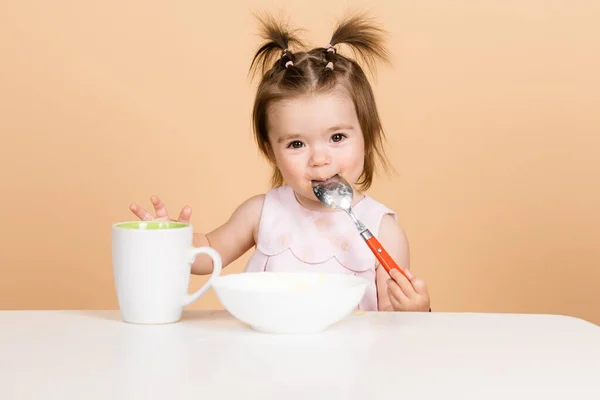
<point>407,295</point>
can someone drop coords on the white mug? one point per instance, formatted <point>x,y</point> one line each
<point>151,264</point>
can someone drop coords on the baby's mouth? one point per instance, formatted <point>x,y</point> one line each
<point>321,180</point>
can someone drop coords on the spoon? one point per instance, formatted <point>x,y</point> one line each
<point>336,192</point>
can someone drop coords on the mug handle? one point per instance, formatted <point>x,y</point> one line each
<point>217,264</point>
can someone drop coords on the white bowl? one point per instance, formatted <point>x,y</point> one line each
<point>289,302</point>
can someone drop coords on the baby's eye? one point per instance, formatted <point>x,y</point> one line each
<point>338,137</point>
<point>296,144</point>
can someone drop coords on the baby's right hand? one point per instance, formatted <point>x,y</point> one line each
<point>161,212</point>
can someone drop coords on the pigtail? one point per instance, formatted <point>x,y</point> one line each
<point>279,39</point>
<point>365,39</point>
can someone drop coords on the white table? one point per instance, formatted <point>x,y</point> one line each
<point>209,355</point>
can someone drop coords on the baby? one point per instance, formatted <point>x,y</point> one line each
<point>315,116</point>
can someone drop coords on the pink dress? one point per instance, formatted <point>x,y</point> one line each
<point>294,238</point>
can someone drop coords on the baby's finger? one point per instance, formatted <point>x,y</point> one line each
<point>395,292</point>
<point>185,215</point>
<point>419,286</point>
<point>398,306</point>
<point>159,207</point>
<point>141,213</point>
<point>404,283</point>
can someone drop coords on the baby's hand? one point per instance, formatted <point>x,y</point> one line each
<point>161,212</point>
<point>407,295</point>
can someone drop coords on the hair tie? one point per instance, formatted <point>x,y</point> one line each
<point>330,48</point>
<point>329,65</point>
<point>287,64</point>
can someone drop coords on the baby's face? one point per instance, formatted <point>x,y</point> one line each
<point>314,137</point>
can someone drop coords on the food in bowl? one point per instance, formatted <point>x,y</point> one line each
<point>289,302</point>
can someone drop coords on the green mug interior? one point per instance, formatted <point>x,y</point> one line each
<point>151,225</point>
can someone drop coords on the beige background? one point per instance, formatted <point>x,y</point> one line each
<point>491,110</point>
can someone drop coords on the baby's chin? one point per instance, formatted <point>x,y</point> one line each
<point>306,190</point>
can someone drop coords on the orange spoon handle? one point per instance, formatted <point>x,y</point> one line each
<point>383,256</point>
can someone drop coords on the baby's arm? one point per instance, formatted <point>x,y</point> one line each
<point>233,238</point>
<point>393,239</point>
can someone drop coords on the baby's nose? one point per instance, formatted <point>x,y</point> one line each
<point>320,157</point>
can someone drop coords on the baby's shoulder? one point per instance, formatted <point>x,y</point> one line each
<point>250,209</point>
<point>369,206</point>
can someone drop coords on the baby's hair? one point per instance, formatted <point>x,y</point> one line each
<point>289,70</point>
